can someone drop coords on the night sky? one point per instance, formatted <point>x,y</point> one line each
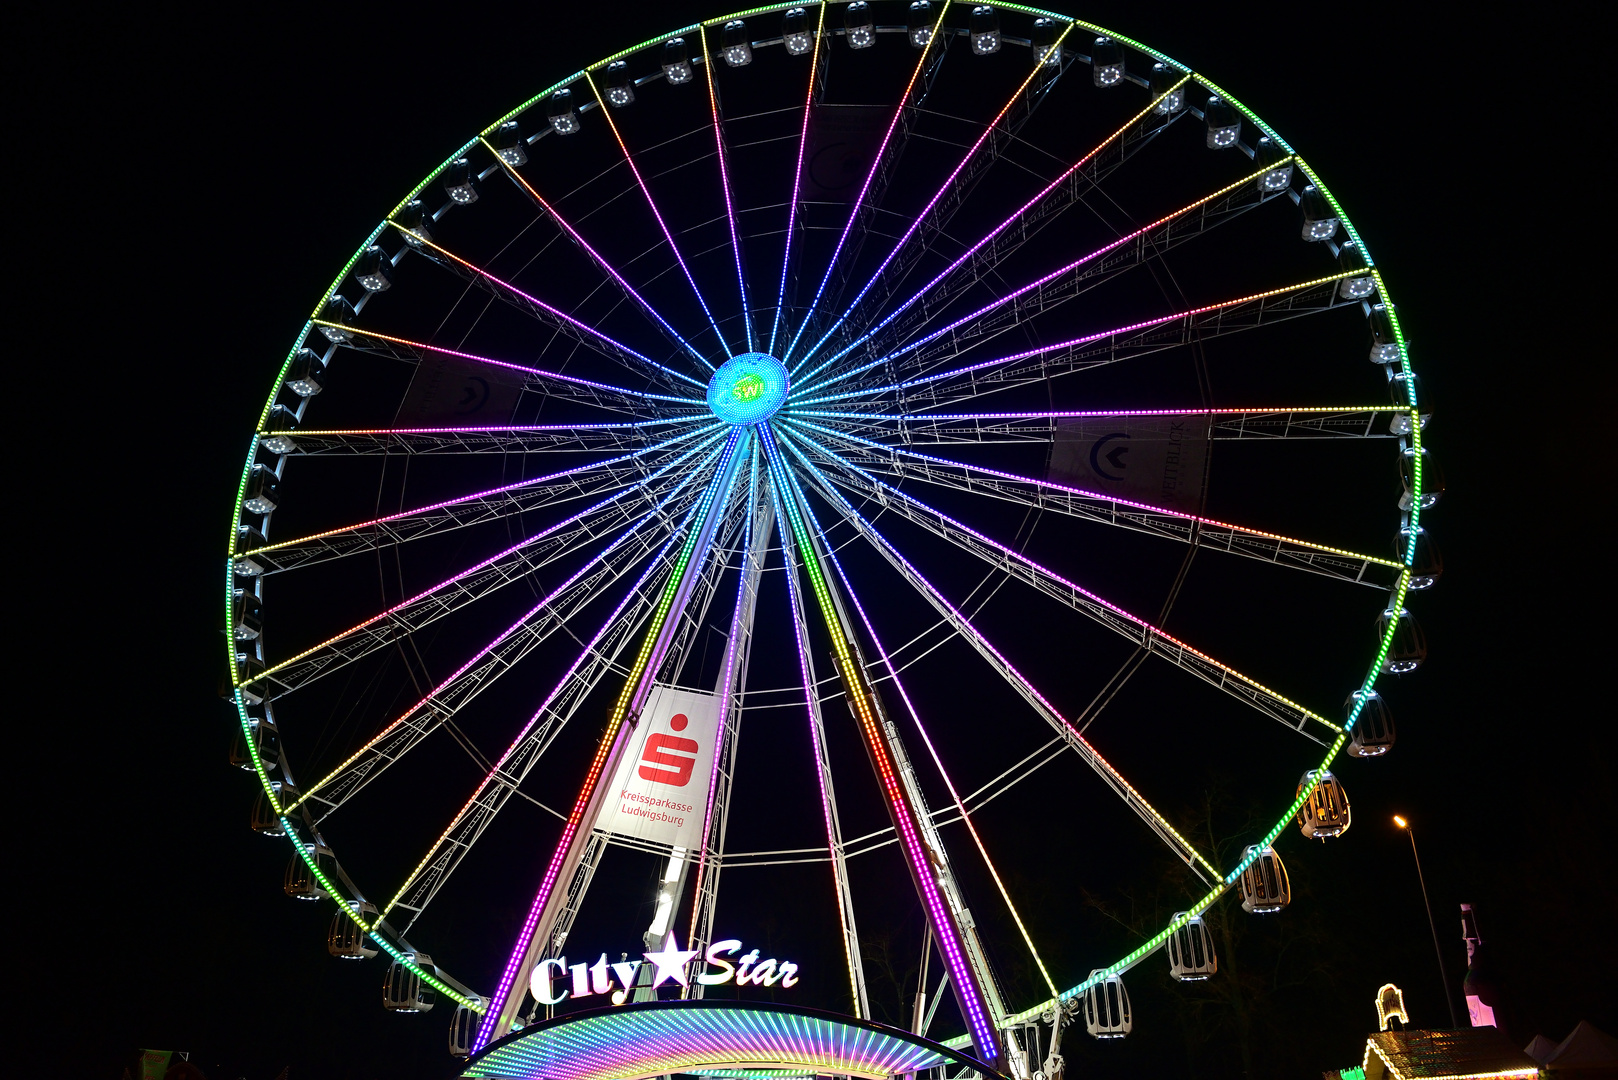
<point>208,174</point>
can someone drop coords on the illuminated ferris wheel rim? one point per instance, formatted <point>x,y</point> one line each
<point>791,398</point>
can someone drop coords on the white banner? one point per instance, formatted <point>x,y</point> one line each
<point>1158,460</point>
<point>660,791</point>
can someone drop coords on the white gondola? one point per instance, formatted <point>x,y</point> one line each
<point>405,991</point>
<point>1265,888</point>
<point>301,882</point>
<point>463,1028</point>
<point>265,819</point>
<point>1325,813</point>
<point>1106,1008</point>
<point>1373,731</point>
<point>1191,951</point>
<point>345,940</point>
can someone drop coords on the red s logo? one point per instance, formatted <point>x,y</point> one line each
<point>680,764</point>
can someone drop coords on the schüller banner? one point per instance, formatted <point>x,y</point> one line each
<point>660,791</point>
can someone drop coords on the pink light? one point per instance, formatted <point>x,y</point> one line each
<point>724,184</point>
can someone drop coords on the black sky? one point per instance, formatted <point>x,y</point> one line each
<point>188,182</point>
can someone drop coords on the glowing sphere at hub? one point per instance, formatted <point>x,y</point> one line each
<point>748,389</point>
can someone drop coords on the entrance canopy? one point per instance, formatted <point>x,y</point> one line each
<point>653,1038</point>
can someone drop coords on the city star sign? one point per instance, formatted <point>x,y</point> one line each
<point>556,980</point>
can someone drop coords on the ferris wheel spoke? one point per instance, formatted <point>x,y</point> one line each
<point>1012,309</point>
<point>629,159</point>
<point>516,439</point>
<point>1020,568</point>
<point>601,656</point>
<point>554,317</point>
<point>816,70</point>
<point>581,481</point>
<point>549,383</point>
<point>724,185</point>
<point>983,257</point>
<point>630,509</point>
<point>924,392</point>
<point>674,337</point>
<point>938,211</point>
<point>876,178</point>
<point>981,429</point>
<point>1103,509</point>
<point>484,668</point>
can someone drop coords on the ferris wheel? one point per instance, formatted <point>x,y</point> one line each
<point>777,455</point>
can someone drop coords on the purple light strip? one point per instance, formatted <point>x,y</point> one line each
<point>797,180</point>
<point>876,161</point>
<point>606,266</point>
<point>494,491</point>
<point>501,428</point>
<point>629,159</point>
<point>480,654</point>
<point>564,316</point>
<point>639,485</point>
<point>987,130</point>
<point>796,600</point>
<point>1070,343</point>
<point>996,231</point>
<point>724,184</point>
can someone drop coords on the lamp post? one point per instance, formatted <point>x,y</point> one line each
<point>1442,975</point>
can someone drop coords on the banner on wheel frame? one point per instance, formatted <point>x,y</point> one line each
<point>660,791</point>
<point>1158,460</point>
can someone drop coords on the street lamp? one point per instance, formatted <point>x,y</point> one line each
<point>1443,977</point>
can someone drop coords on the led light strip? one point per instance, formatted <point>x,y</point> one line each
<point>605,265</point>
<point>1031,286</point>
<point>996,231</point>
<point>724,185</point>
<point>712,498</point>
<point>1089,494</point>
<point>870,530</point>
<point>639,486</point>
<point>1085,340</point>
<point>797,178</point>
<point>516,486</point>
<point>943,926</point>
<point>944,187</point>
<point>876,163</point>
<point>513,429</point>
<point>629,159</point>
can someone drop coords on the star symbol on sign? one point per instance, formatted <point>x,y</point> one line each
<point>670,962</point>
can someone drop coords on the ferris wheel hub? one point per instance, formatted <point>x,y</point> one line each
<point>748,388</point>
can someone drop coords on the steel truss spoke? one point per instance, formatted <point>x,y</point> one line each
<point>554,317</point>
<point>1092,506</point>
<point>1065,731</point>
<point>876,180</point>
<point>484,668</point>
<point>724,185</point>
<point>629,509</point>
<point>983,257</point>
<point>941,208</point>
<point>1012,309</point>
<point>924,392</point>
<point>836,848</point>
<point>960,429</point>
<point>1142,633</point>
<point>582,481</point>
<point>629,159</point>
<point>549,383</point>
<point>603,655</point>
<point>629,292</point>
<point>531,439</point>
<point>816,72</point>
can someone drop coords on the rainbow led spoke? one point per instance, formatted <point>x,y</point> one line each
<point>629,159</point>
<point>1087,339</point>
<point>607,267</point>
<point>988,130</point>
<point>1037,283</point>
<point>724,185</point>
<point>797,180</point>
<point>859,201</point>
<point>996,231</point>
